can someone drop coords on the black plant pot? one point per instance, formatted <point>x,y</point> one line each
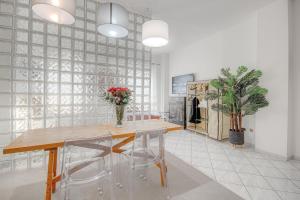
<point>236,137</point>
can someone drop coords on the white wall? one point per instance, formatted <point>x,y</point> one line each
<point>273,59</point>
<point>295,83</point>
<point>228,48</point>
<point>261,41</point>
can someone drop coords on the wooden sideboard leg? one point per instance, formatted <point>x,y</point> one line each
<point>54,170</point>
<point>50,174</point>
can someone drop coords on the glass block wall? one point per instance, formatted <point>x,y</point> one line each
<point>53,75</point>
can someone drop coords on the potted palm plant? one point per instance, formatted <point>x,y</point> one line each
<point>239,95</point>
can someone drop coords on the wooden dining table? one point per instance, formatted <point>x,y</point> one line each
<point>51,139</point>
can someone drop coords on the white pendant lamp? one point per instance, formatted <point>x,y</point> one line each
<point>57,11</point>
<point>112,20</point>
<point>155,33</point>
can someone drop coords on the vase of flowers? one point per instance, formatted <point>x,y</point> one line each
<point>119,97</point>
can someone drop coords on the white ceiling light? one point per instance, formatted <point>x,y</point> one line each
<point>155,33</point>
<point>112,20</point>
<point>57,11</point>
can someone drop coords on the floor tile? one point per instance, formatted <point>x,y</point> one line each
<point>245,168</point>
<point>222,165</point>
<point>292,174</point>
<point>270,172</point>
<point>254,181</point>
<point>218,156</point>
<point>239,190</point>
<point>207,171</point>
<point>297,183</point>
<point>284,185</point>
<point>283,165</point>
<point>262,194</point>
<point>227,177</point>
<point>260,162</point>
<point>289,196</point>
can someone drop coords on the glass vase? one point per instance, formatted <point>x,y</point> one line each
<point>120,114</point>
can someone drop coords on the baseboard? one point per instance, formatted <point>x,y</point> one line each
<point>279,157</point>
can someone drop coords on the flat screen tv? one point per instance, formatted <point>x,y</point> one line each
<point>179,83</point>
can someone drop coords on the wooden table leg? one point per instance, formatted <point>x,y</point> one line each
<point>50,174</point>
<point>54,170</point>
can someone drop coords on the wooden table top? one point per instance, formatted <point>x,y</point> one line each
<point>48,138</point>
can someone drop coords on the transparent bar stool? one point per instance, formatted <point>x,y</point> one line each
<point>87,164</point>
<point>148,150</point>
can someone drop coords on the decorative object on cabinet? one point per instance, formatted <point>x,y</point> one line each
<point>200,117</point>
<point>240,95</point>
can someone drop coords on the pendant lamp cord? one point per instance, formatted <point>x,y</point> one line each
<point>110,13</point>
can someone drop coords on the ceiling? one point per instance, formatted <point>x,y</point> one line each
<point>191,20</point>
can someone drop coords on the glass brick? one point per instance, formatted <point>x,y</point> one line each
<point>21,74</point>
<point>66,31</point>
<point>66,99</point>
<point>138,82</point>
<point>52,64</point>
<point>78,99</point>
<point>37,161</point>
<point>5,100</point>
<point>138,73</point>
<point>66,65</point>
<point>20,100</point>
<point>79,12</point>
<point>130,81</point>
<point>79,24</point>
<point>77,78</point>
<point>52,88</point>
<point>66,43</point>
<point>20,112</point>
<point>91,16</point>
<point>37,87</point>
<point>65,110</point>
<point>20,125</point>
<point>37,62</point>
<point>78,110</point>
<point>130,72</point>
<point>38,51</point>
<point>51,123</point>
<point>22,49</point>
<point>91,37</point>
<point>146,82</point>
<point>38,26</point>
<point>122,43</point>
<point>139,55</point>
<point>52,76</point>
<point>91,26</point>
<point>37,100</point>
<point>90,47</point>
<point>66,88</point>
<point>122,62</point>
<point>112,60</point>
<point>20,164</point>
<point>78,67</point>
<point>78,56</point>
<point>79,45</point>
<point>20,87</point>
<point>146,91</point>
<point>52,40</point>
<point>131,35</point>
<point>78,34</point>
<point>130,54</point>
<point>122,52</point>
<point>6,7</point>
<point>5,166</point>
<point>66,54</point>
<point>37,112</point>
<point>147,74</point>
<point>5,33</point>
<point>121,71</point>
<point>21,23</point>
<point>90,57</point>
<point>52,52</point>
<point>22,36</point>
<point>52,29</point>
<point>102,39</point>
<point>5,60</point>
<point>37,75</point>
<point>52,99</point>
<point>66,77</point>
<point>77,89</point>
<point>130,44</point>
<point>91,5</point>
<point>52,111</point>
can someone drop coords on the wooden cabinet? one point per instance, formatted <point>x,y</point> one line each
<point>200,117</point>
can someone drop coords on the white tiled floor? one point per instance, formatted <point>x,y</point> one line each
<point>249,174</point>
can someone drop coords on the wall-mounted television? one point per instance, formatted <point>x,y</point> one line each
<point>179,83</point>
